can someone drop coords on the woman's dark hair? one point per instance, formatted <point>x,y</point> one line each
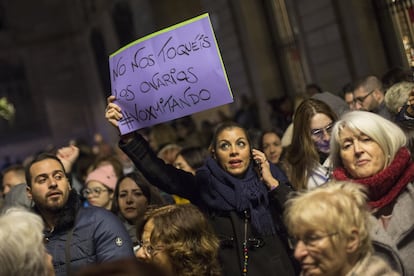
<point>194,156</point>
<point>223,126</point>
<point>149,191</point>
<point>274,130</point>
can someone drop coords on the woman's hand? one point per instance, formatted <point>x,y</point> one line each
<point>113,112</point>
<point>113,115</point>
<point>263,166</point>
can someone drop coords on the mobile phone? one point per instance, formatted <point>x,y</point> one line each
<point>257,165</point>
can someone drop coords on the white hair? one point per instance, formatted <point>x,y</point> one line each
<point>21,238</point>
<point>388,135</point>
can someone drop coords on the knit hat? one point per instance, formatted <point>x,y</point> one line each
<point>105,175</point>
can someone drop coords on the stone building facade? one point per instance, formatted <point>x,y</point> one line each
<point>54,56</point>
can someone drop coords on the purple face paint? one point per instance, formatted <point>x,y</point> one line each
<point>322,146</point>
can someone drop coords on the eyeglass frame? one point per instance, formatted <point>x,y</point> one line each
<point>309,241</point>
<point>149,250</point>
<point>94,191</point>
<point>320,132</point>
<point>362,99</point>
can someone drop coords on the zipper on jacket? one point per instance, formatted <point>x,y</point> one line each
<point>245,243</point>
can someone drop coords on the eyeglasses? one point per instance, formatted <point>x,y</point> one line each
<point>361,99</point>
<point>94,191</point>
<point>320,132</point>
<point>310,241</point>
<point>149,250</point>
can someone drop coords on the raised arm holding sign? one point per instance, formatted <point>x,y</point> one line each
<point>243,200</point>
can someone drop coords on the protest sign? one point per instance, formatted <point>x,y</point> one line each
<point>169,74</point>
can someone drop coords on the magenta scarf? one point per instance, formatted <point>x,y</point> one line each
<point>385,186</point>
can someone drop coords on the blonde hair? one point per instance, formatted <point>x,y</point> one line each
<point>388,135</point>
<point>336,207</point>
<point>397,95</point>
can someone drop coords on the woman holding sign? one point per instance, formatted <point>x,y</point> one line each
<point>239,190</point>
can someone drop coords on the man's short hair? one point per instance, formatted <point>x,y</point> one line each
<point>38,158</point>
<point>15,167</point>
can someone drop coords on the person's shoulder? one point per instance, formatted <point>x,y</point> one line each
<point>375,265</point>
<point>95,213</point>
<point>408,192</point>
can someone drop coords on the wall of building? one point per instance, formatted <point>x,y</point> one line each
<point>338,41</point>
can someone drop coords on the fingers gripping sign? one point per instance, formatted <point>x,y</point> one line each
<point>113,112</point>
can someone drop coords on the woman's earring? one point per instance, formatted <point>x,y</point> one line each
<point>213,154</point>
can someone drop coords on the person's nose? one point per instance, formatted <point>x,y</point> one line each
<point>358,148</point>
<point>326,135</point>
<point>233,150</point>
<point>300,251</point>
<point>129,199</point>
<point>140,254</point>
<point>357,105</point>
<point>52,183</point>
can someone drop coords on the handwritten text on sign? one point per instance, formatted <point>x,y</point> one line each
<point>169,74</point>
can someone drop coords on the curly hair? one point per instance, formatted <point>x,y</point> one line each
<point>187,239</point>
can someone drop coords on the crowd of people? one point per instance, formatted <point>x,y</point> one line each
<point>328,192</point>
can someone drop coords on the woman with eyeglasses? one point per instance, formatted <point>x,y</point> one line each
<point>306,159</point>
<point>238,189</point>
<point>330,229</point>
<point>180,240</point>
<point>99,186</point>
<point>371,151</point>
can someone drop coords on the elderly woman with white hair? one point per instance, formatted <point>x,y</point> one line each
<point>330,229</point>
<point>370,150</point>
<point>22,244</point>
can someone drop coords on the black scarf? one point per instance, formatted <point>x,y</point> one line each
<point>227,193</point>
<point>66,215</point>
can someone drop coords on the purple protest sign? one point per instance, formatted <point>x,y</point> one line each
<point>169,74</point>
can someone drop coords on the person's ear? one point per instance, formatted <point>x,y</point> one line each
<point>378,95</point>
<point>29,193</point>
<point>69,184</point>
<point>213,154</point>
<point>353,241</point>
